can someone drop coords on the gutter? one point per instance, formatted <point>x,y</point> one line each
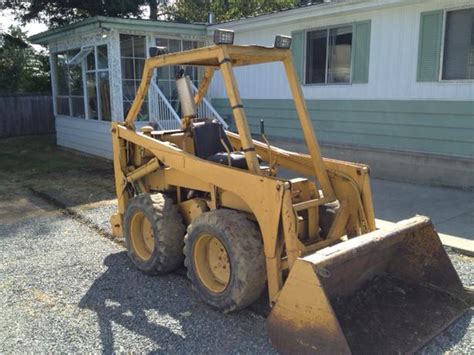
<point>310,12</point>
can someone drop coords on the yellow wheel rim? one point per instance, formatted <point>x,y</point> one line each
<point>141,236</point>
<point>211,262</point>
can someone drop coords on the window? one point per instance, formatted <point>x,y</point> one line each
<point>97,84</point>
<point>132,56</point>
<point>329,55</point>
<point>69,85</point>
<point>166,76</point>
<point>458,55</point>
<point>76,67</point>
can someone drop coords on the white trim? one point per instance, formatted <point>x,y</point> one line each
<point>83,53</point>
<point>54,80</point>
<point>115,67</point>
<point>153,34</point>
<point>74,45</point>
<point>443,35</point>
<point>84,89</point>
<point>156,35</point>
<point>82,119</point>
<point>97,93</point>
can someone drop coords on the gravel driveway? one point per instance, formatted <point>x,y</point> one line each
<point>66,288</point>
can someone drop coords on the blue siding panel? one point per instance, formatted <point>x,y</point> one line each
<point>419,126</point>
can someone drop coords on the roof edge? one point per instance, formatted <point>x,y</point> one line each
<point>97,22</point>
<point>309,11</point>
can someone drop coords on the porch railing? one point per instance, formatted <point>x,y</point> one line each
<point>166,117</point>
<point>206,110</point>
<point>161,111</point>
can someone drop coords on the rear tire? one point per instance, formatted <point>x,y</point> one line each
<point>154,233</point>
<point>225,259</point>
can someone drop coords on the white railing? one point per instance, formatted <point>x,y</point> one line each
<point>205,110</point>
<point>161,111</point>
<point>165,116</point>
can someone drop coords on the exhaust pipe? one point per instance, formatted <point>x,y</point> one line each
<point>186,97</point>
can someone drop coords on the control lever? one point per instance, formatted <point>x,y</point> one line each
<point>270,156</point>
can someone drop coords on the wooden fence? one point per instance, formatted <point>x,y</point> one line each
<point>24,114</point>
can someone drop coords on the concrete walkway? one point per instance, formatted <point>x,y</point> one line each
<point>451,210</point>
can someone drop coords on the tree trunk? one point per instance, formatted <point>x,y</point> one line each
<point>153,9</point>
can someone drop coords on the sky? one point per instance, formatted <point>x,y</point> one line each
<point>7,19</point>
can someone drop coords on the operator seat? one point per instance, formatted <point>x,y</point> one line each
<point>208,137</point>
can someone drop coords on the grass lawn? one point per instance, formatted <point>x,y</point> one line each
<point>36,162</point>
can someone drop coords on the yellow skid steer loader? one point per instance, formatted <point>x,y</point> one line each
<point>336,284</point>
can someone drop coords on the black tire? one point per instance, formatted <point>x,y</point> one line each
<point>243,243</point>
<point>168,233</point>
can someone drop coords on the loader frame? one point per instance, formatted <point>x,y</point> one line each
<point>147,161</point>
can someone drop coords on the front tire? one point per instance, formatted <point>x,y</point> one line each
<point>154,233</point>
<point>225,259</point>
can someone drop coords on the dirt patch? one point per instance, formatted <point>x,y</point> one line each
<point>36,162</point>
<point>18,205</point>
<point>388,315</point>
<point>79,217</point>
<point>76,187</point>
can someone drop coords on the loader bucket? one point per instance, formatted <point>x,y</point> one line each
<point>383,292</point>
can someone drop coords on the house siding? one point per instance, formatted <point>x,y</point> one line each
<point>92,137</point>
<point>437,127</point>
<point>394,42</point>
<point>392,111</point>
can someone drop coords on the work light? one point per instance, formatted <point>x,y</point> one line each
<point>283,42</point>
<point>223,36</point>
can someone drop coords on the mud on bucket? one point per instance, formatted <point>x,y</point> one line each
<point>383,292</point>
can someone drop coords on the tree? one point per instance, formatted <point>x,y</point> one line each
<point>61,12</point>
<point>223,10</point>
<point>153,9</point>
<point>22,69</point>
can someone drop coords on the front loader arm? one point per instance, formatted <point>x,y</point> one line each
<point>350,181</point>
<point>307,127</point>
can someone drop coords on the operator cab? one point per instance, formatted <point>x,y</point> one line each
<point>211,143</point>
<point>202,137</point>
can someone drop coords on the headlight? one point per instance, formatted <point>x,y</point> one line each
<point>283,42</point>
<point>223,36</point>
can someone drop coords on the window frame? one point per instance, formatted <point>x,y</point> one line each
<point>443,40</point>
<point>134,80</point>
<point>84,72</point>
<point>96,71</point>
<point>327,28</point>
<point>200,43</point>
<point>70,96</point>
